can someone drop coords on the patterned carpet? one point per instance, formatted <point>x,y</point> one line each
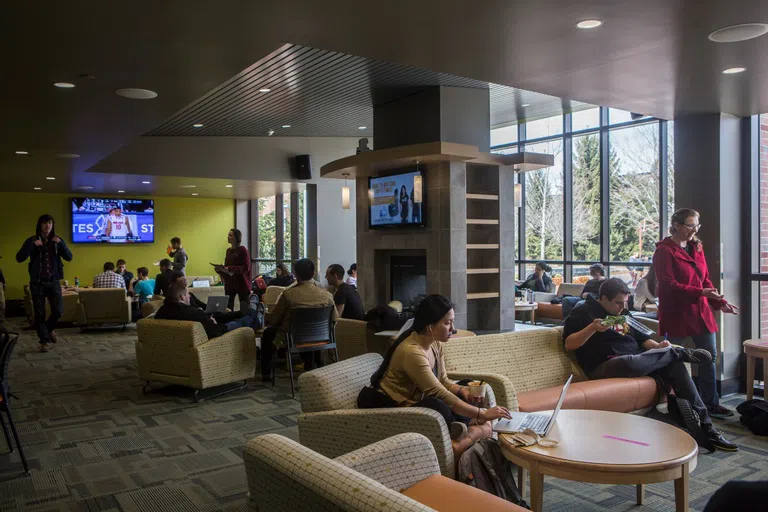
<point>95,442</point>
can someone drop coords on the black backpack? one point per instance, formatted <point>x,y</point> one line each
<point>484,466</point>
<point>754,416</point>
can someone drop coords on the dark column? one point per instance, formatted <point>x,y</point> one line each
<point>279,228</point>
<point>295,226</point>
<point>708,178</point>
<point>311,225</point>
<point>448,114</point>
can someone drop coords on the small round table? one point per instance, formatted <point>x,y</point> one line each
<point>530,307</point>
<point>605,447</point>
<point>754,349</point>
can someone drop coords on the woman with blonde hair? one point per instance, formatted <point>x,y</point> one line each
<point>687,298</point>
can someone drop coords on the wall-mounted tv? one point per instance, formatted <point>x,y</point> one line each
<point>112,220</point>
<point>397,200</point>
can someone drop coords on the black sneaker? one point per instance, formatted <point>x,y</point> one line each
<point>716,438</point>
<point>695,355</point>
<point>44,347</point>
<point>720,412</point>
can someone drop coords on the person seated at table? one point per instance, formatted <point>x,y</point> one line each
<point>622,351</point>
<point>346,298</point>
<point>591,289</point>
<point>125,274</point>
<point>143,287</point>
<point>109,278</point>
<point>539,281</point>
<point>163,279</point>
<point>645,291</point>
<point>413,373</point>
<point>176,307</point>
<point>282,276</point>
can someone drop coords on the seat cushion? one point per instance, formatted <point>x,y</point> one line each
<point>618,395</point>
<point>547,310</point>
<point>441,493</point>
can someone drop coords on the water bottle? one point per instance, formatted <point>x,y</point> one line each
<point>77,282</point>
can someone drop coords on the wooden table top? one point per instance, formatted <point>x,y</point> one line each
<point>756,345</point>
<point>519,305</point>
<point>610,441</point>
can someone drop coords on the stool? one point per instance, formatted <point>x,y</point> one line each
<point>754,349</point>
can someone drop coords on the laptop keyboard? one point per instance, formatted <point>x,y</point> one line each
<point>535,422</point>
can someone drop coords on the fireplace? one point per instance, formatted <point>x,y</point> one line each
<point>408,278</point>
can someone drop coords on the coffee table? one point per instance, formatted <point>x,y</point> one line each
<point>530,307</point>
<point>605,447</point>
<point>755,349</point>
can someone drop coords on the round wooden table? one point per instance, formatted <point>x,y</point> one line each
<point>755,349</point>
<point>530,307</point>
<point>604,447</point>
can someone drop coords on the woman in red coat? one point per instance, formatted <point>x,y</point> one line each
<point>236,271</point>
<point>687,298</point>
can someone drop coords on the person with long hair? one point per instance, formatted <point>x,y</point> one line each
<point>404,200</point>
<point>45,251</point>
<point>283,276</point>
<point>539,281</point>
<point>413,373</point>
<point>645,292</point>
<point>236,271</point>
<point>687,298</point>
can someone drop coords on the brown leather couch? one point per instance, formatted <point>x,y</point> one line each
<point>549,313</point>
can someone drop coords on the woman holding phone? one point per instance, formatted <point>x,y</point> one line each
<point>687,299</point>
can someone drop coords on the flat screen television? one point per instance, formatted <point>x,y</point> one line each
<point>395,201</point>
<point>102,220</point>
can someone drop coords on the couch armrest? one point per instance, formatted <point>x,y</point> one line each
<point>543,296</point>
<point>125,312</point>
<point>502,390</point>
<point>397,462</point>
<point>334,433</point>
<point>229,358</point>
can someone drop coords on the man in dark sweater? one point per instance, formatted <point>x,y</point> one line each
<point>619,350</point>
<point>176,307</point>
<point>164,278</point>
<point>346,298</point>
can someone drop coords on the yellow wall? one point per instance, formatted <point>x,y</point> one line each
<point>202,225</point>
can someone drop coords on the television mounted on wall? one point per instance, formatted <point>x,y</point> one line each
<point>112,220</point>
<point>397,200</point>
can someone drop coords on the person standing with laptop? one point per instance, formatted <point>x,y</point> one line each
<point>607,347</point>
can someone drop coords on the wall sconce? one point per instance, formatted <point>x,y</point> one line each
<point>345,193</point>
<point>518,194</point>
<point>417,188</point>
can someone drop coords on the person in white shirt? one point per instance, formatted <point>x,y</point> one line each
<point>645,291</point>
<point>352,279</point>
<point>118,226</point>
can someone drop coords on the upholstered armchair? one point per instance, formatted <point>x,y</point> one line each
<point>151,307</point>
<point>351,338</point>
<point>69,311</point>
<point>100,306</point>
<point>272,295</point>
<point>179,352</point>
<point>331,423</point>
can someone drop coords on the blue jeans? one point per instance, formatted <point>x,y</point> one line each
<point>249,318</point>
<point>569,303</point>
<point>706,381</point>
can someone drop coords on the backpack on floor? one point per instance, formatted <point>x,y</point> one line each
<point>754,416</point>
<point>483,466</point>
<point>681,415</point>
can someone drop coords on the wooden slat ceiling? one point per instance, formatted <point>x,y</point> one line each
<point>321,93</point>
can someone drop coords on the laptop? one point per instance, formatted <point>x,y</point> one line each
<point>216,304</point>
<point>539,423</point>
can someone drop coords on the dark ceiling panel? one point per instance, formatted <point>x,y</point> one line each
<point>324,93</point>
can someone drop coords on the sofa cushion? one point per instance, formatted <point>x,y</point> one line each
<point>443,494</point>
<point>618,395</point>
<point>547,310</point>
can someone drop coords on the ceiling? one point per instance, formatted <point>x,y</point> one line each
<point>651,57</point>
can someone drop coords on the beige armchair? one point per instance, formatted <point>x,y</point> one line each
<point>100,306</point>
<point>151,307</point>
<point>69,309</point>
<point>351,338</point>
<point>272,295</point>
<point>179,352</point>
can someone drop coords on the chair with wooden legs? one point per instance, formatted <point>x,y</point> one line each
<point>7,343</point>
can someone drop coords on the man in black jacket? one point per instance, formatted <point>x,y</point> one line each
<point>45,251</point>
<point>164,278</point>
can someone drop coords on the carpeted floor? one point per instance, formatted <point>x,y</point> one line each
<point>95,442</point>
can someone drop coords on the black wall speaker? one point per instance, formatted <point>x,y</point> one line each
<point>303,167</point>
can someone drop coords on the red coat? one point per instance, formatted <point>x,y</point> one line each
<point>237,260</point>
<point>683,311</point>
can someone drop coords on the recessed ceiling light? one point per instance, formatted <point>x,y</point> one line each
<point>67,155</point>
<point>265,89</point>
<point>286,126</point>
<point>187,186</point>
<point>145,182</point>
<point>589,24</point>
<point>229,186</point>
<point>362,127</point>
<point>84,187</point>
<point>136,94</point>
<point>525,105</point>
<point>64,85</point>
<point>733,71</point>
<point>195,194</point>
<point>197,125</point>
<point>38,188</point>
<point>50,178</point>
<point>121,191</point>
<point>22,152</point>
<point>736,33</point>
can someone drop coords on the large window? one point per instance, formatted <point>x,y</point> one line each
<point>609,168</point>
<point>278,227</point>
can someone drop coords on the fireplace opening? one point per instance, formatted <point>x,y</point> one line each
<point>408,279</point>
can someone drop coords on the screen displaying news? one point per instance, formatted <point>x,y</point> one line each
<point>113,221</point>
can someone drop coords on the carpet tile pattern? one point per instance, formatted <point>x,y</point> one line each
<point>94,441</point>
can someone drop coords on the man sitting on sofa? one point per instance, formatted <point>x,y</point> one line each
<point>619,350</point>
<point>163,279</point>
<point>109,278</point>
<point>176,307</point>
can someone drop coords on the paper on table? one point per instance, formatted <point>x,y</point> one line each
<point>656,350</point>
<point>407,325</point>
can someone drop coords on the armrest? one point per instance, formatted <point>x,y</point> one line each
<point>234,354</point>
<point>543,296</point>
<point>397,462</point>
<point>502,390</point>
<point>334,433</point>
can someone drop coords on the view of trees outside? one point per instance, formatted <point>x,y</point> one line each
<point>287,226</point>
<point>544,205</point>
<point>267,244</point>
<point>586,197</point>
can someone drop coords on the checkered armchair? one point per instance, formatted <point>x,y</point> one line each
<point>100,306</point>
<point>331,423</point>
<point>179,352</point>
<point>281,471</point>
